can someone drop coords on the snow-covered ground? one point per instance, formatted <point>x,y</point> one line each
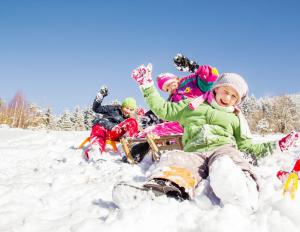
<point>46,186</point>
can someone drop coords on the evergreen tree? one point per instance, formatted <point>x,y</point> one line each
<point>88,116</point>
<point>251,109</point>
<point>65,123</point>
<point>49,119</point>
<point>34,117</point>
<point>78,119</point>
<point>249,105</point>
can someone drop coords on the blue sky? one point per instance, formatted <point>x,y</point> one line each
<point>59,53</point>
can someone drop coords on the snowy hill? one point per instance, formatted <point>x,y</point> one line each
<point>46,186</point>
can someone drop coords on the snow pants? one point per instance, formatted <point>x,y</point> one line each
<point>162,129</point>
<point>188,169</point>
<point>99,134</point>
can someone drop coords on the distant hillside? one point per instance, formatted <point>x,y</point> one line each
<point>273,114</point>
<point>296,98</point>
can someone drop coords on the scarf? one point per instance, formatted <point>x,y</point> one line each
<point>203,85</point>
<point>209,97</point>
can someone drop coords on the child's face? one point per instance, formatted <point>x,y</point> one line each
<point>172,86</point>
<point>128,111</point>
<point>226,96</point>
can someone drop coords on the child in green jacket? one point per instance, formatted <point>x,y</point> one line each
<point>214,135</point>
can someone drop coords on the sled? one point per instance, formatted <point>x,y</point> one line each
<point>127,144</point>
<point>158,145</point>
<point>87,142</point>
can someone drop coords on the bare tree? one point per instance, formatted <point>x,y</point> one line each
<point>17,108</point>
<point>285,115</point>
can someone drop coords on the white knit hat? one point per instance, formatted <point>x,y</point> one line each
<point>235,81</point>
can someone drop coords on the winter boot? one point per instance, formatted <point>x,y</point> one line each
<point>92,153</point>
<point>130,194</point>
<point>170,189</point>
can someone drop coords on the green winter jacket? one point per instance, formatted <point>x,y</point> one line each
<point>205,128</point>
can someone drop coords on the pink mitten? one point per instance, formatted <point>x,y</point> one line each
<point>288,141</point>
<point>143,75</point>
<point>207,73</point>
<point>140,111</point>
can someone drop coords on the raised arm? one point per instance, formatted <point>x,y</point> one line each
<point>165,110</point>
<point>97,104</point>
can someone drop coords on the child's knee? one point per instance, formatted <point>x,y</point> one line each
<point>98,130</point>
<point>233,185</point>
<point>232,153</point>
<point>132,122</point>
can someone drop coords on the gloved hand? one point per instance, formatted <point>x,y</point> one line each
<point>143,75</point>
<point>288,141</point>
<point>184,64</point>
<point>207,73</point>
<point>103,92</point>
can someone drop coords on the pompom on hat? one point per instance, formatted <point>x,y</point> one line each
<point>129,102</point>
<point>207,73</point>
<point>235,81</point>
<point>164,79</point>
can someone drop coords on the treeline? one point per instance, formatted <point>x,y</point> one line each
<point>267,115</point>
<point>272,115</point>
<point>19,113</point>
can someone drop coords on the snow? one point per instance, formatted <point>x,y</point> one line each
<point>45,185</point>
